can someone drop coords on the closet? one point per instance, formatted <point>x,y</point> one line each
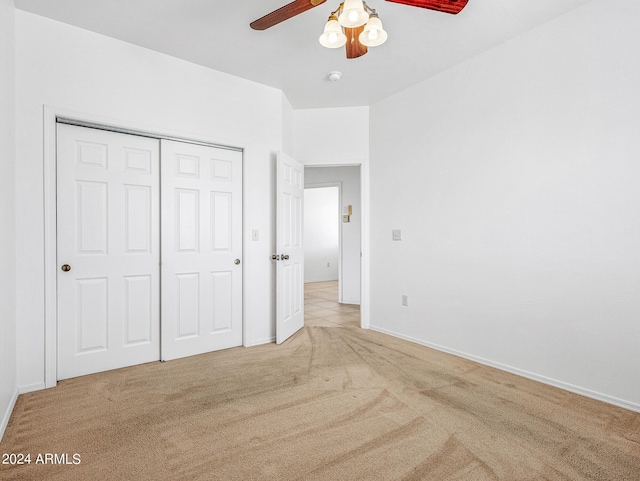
<point>149,249</point>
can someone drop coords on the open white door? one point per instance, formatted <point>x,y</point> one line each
<point>201,249</point>
<point>289,254</point>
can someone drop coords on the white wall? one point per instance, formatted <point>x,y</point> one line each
<point>287,126</point>
<point>349,179</point>
<point>331,136</point>
<point>514,178</point>
<point>8,383</point>
<point>321,234</point>
<point>65,67</point>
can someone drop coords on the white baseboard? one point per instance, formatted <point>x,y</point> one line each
<point>631,406</point>
<point>259,342</point>
<point>7,413</point>
<point>351,303</point>
<point>38,386</point>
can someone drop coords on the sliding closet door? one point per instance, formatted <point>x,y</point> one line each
<point>201,249</point>
<point>108,250</point>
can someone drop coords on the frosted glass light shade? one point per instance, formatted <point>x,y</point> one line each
<point>373,33</point>
<point>353,14</point>
<point>332,36</point>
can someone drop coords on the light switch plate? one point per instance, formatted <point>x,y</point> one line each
<point>255,234</point>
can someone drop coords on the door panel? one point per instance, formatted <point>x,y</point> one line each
<point>108,233</point>
<point>92,321</point>
<point>137,213</point>
<point>201,243</point>
<point>138,300</point>
<point>188,297</point>
<point>290,266</point>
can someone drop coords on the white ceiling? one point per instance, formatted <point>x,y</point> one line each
<point>216,34</point>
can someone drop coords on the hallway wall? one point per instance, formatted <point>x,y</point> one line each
<point>321,234</point>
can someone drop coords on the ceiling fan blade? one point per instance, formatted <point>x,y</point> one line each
<point>447,6</point>
<point>283,13</point>
<point>354,48</point>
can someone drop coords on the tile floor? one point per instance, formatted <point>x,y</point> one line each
<point>321,306</point>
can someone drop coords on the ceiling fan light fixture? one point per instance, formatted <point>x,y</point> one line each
<point>353,14</point>
<point>333,37</point>
<point>373,33</point>
<point>354,19</point>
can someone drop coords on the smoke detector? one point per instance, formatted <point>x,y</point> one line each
<point>335,76</point>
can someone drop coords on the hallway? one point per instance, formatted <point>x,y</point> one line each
<point>321,306</point>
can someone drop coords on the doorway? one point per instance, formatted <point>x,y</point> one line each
<point>330,300</point>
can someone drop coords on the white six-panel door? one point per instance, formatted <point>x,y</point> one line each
<point>290,263</point>
<point>108,244</point>
<point>113,237</point>
<point>202,249</point>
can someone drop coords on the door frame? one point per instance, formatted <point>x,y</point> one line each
<point>51,116</point>
<point>364,235</point>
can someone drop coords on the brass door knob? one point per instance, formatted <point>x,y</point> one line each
<point>66,268</point>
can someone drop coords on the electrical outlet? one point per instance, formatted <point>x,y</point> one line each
<point>396,234</point>
<point>405,300</point>
<point>328,264</point>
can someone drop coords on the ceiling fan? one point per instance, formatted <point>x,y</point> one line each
<point>353,23</point>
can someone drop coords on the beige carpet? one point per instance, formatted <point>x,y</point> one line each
<point>333,403</point>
